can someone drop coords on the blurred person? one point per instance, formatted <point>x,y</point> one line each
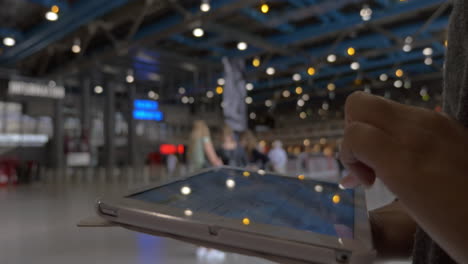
<point>420,155</point>
<point>201,153</point>
<point>171,164</point>
<point>278,157</point>
<point>249,142</point>
<point>231,152</point>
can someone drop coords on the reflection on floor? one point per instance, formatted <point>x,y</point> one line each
<point>38,224</point>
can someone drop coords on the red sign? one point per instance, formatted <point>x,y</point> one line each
<point>169,149</point>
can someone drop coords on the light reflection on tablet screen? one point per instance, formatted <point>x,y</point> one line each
<point>297,203</point>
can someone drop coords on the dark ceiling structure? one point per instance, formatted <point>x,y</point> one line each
<point>321,46</point>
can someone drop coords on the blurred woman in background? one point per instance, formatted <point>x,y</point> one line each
<point>231,152</point>
<point>201,153</point>
<point>255,158</point>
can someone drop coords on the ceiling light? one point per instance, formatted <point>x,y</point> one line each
<point>407,48</point>
<point>55,9</point>
<point>209,94</point>
<point>249,86</point>
<point>286,93</point>
<point>268,103</point>
<point>366,13</point>
<point>51,16</point>
<point>303,115</point>
<point>130,78</point>
<point>331,87</point>
<point>264,8</point>
<point>351,51</point>
<point>219,90</point>
<point>428,61</point>
<point>398,84</point>
<point>256,62</point>
<point>423,91</point>
<point>311,71</point>
<point>298,90</point>
<point>270,71</point>
<point>9,41</point>
<point>184,99</point>
<point>296,77</point>
<point>253,115</point>
<point>98,89</point>
<point>331,58</point>
<point>355,66</point>
<point>221,81</point>
<point>383,77</point>
<point>153,95</point>
<point>198,32</point>
<point>191,100</point>
<point>181,90</point>
<point>248,100</point>
<point>76,47</point>
<point>205,6</point>
<point>300,103</point>
<point>242,45</point>
<point>409,40</point>
<point>306,97</point>
<point>428,51</point>
<point>399,73</point>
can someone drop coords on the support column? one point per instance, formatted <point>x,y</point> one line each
<point>131,127</point>
<point>58,140</point>
<point>85,105</point>
<point>109,128</point>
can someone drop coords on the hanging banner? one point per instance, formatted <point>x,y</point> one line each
<point>235,108</point>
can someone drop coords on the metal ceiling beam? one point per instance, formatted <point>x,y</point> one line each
<point>310,11</point>
<point>353,21</point>
<point>163,29</point>
<point>261,18</point>
<point>363,42</point>
<point>49,32</point>
<point>397,11</point>
<point>48,3</point>
<point>251,39</point>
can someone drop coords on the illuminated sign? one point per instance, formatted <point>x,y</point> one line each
<point>36,89</point>
<point>145,105</point>
<point>168,149</point>
<point>147,110</point>
<point>25,140</point>
<point>148,115</point>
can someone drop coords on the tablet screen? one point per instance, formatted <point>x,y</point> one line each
<point>262,198</point>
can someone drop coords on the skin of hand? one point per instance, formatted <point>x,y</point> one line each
<point>393,232</point>
<point>420,155</point>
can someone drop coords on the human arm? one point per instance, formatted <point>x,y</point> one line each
<point>420,155</point>
<point>211,153</point>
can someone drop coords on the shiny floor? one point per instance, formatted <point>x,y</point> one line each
<point>38,224</point>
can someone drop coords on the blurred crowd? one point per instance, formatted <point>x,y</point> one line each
<point>244,150</point>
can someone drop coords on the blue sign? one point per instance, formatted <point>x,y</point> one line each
<point>148,115</point>
<point>145,105</point>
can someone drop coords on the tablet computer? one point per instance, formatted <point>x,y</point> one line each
<point>288,218</point>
